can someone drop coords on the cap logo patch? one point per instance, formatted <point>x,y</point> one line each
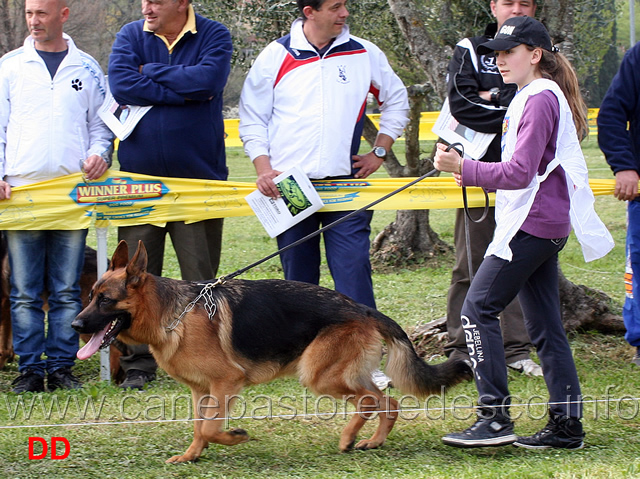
<point>507,29</point>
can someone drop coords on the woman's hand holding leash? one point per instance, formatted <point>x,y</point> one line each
<point>449,160</point>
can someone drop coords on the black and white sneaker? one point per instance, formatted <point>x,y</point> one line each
<point>486,432</point>
<point>561,432</point>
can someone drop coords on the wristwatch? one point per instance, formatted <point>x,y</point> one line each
<point>495,95</point>
<point>380,152</point>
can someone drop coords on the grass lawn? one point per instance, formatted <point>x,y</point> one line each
<point>138,431</point>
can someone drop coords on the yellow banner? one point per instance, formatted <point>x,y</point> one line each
<point>427,119</point>
<point>125,199</point>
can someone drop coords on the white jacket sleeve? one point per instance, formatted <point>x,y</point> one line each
<point>390,93</point>
<point>100,136</point>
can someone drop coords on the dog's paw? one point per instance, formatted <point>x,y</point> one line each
<point>347,447</point>
<point>180,459</point>
<point>237,436</point>
<point>367,444</point>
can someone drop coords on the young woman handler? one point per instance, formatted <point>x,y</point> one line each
<point>542,190</point>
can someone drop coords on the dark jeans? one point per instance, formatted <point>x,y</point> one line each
<point>532,275</point>
<point>45,260</point>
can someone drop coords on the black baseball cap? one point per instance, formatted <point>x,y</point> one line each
<point>516,31</point>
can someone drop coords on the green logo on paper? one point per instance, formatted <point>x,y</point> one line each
<point>293,196</point>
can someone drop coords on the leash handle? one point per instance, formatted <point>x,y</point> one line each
<point>467,213</point>
<point>459,148</point>
<point>222,279</point>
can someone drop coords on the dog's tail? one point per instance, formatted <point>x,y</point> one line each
<point>408,372</point>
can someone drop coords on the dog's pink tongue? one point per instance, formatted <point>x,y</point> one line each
<point>93,345</point>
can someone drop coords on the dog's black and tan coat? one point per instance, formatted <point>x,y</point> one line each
<point>261,330</point>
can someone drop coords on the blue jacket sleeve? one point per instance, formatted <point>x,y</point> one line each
<point>129,86</point>
<point>208,76</point>
<point>621,105</point>
<point>161,83</point>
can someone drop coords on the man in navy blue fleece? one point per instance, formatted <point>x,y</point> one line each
<point>178,62</point>
<point>621,147</point>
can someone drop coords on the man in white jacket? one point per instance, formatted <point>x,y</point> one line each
<point>303,105</point>
<point>50,93</point>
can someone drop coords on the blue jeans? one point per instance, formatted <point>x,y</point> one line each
<point>631,310</point>
<point>49,261</point>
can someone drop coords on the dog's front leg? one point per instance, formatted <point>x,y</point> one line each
<point>221,397</point>
<point>198,444</point>
<point>210,411</point>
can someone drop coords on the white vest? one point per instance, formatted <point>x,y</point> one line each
<point>513,206</point>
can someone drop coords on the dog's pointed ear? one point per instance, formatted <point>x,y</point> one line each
<point>120,256</point>
<point>137,267</point>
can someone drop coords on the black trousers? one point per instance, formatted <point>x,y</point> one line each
<point>532,275</point>
<point>517,345</point>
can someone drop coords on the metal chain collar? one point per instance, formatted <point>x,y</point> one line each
<point>209,304</point>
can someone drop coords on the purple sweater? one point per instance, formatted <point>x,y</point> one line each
<point>535,148</point>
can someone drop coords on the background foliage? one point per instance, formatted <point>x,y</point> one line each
<point>594,33</point>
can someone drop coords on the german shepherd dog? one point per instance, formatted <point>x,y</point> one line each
<point>249,332</point>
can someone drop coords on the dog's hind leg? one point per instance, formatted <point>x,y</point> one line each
<point>210,411</point>
<point>367,403</point>
<point>339,363</point>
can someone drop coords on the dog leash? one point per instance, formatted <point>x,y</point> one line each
<point>222,279</point>
<point>467,213</point>
<point>205,292</point>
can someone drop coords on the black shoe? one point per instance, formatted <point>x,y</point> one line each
<point>136,379</point>
<point>560,432</point>
<point>63,378</point>
<point>487,431</point>
<point>28,381</point>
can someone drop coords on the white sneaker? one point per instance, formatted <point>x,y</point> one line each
<point>526,366</point>
<point>380,379</point>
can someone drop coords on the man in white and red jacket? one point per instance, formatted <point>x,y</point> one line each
<point>303,104</point>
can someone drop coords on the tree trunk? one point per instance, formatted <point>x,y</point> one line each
<point>409,239</point>
<point>584,309</point>
<point>430,52</point>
